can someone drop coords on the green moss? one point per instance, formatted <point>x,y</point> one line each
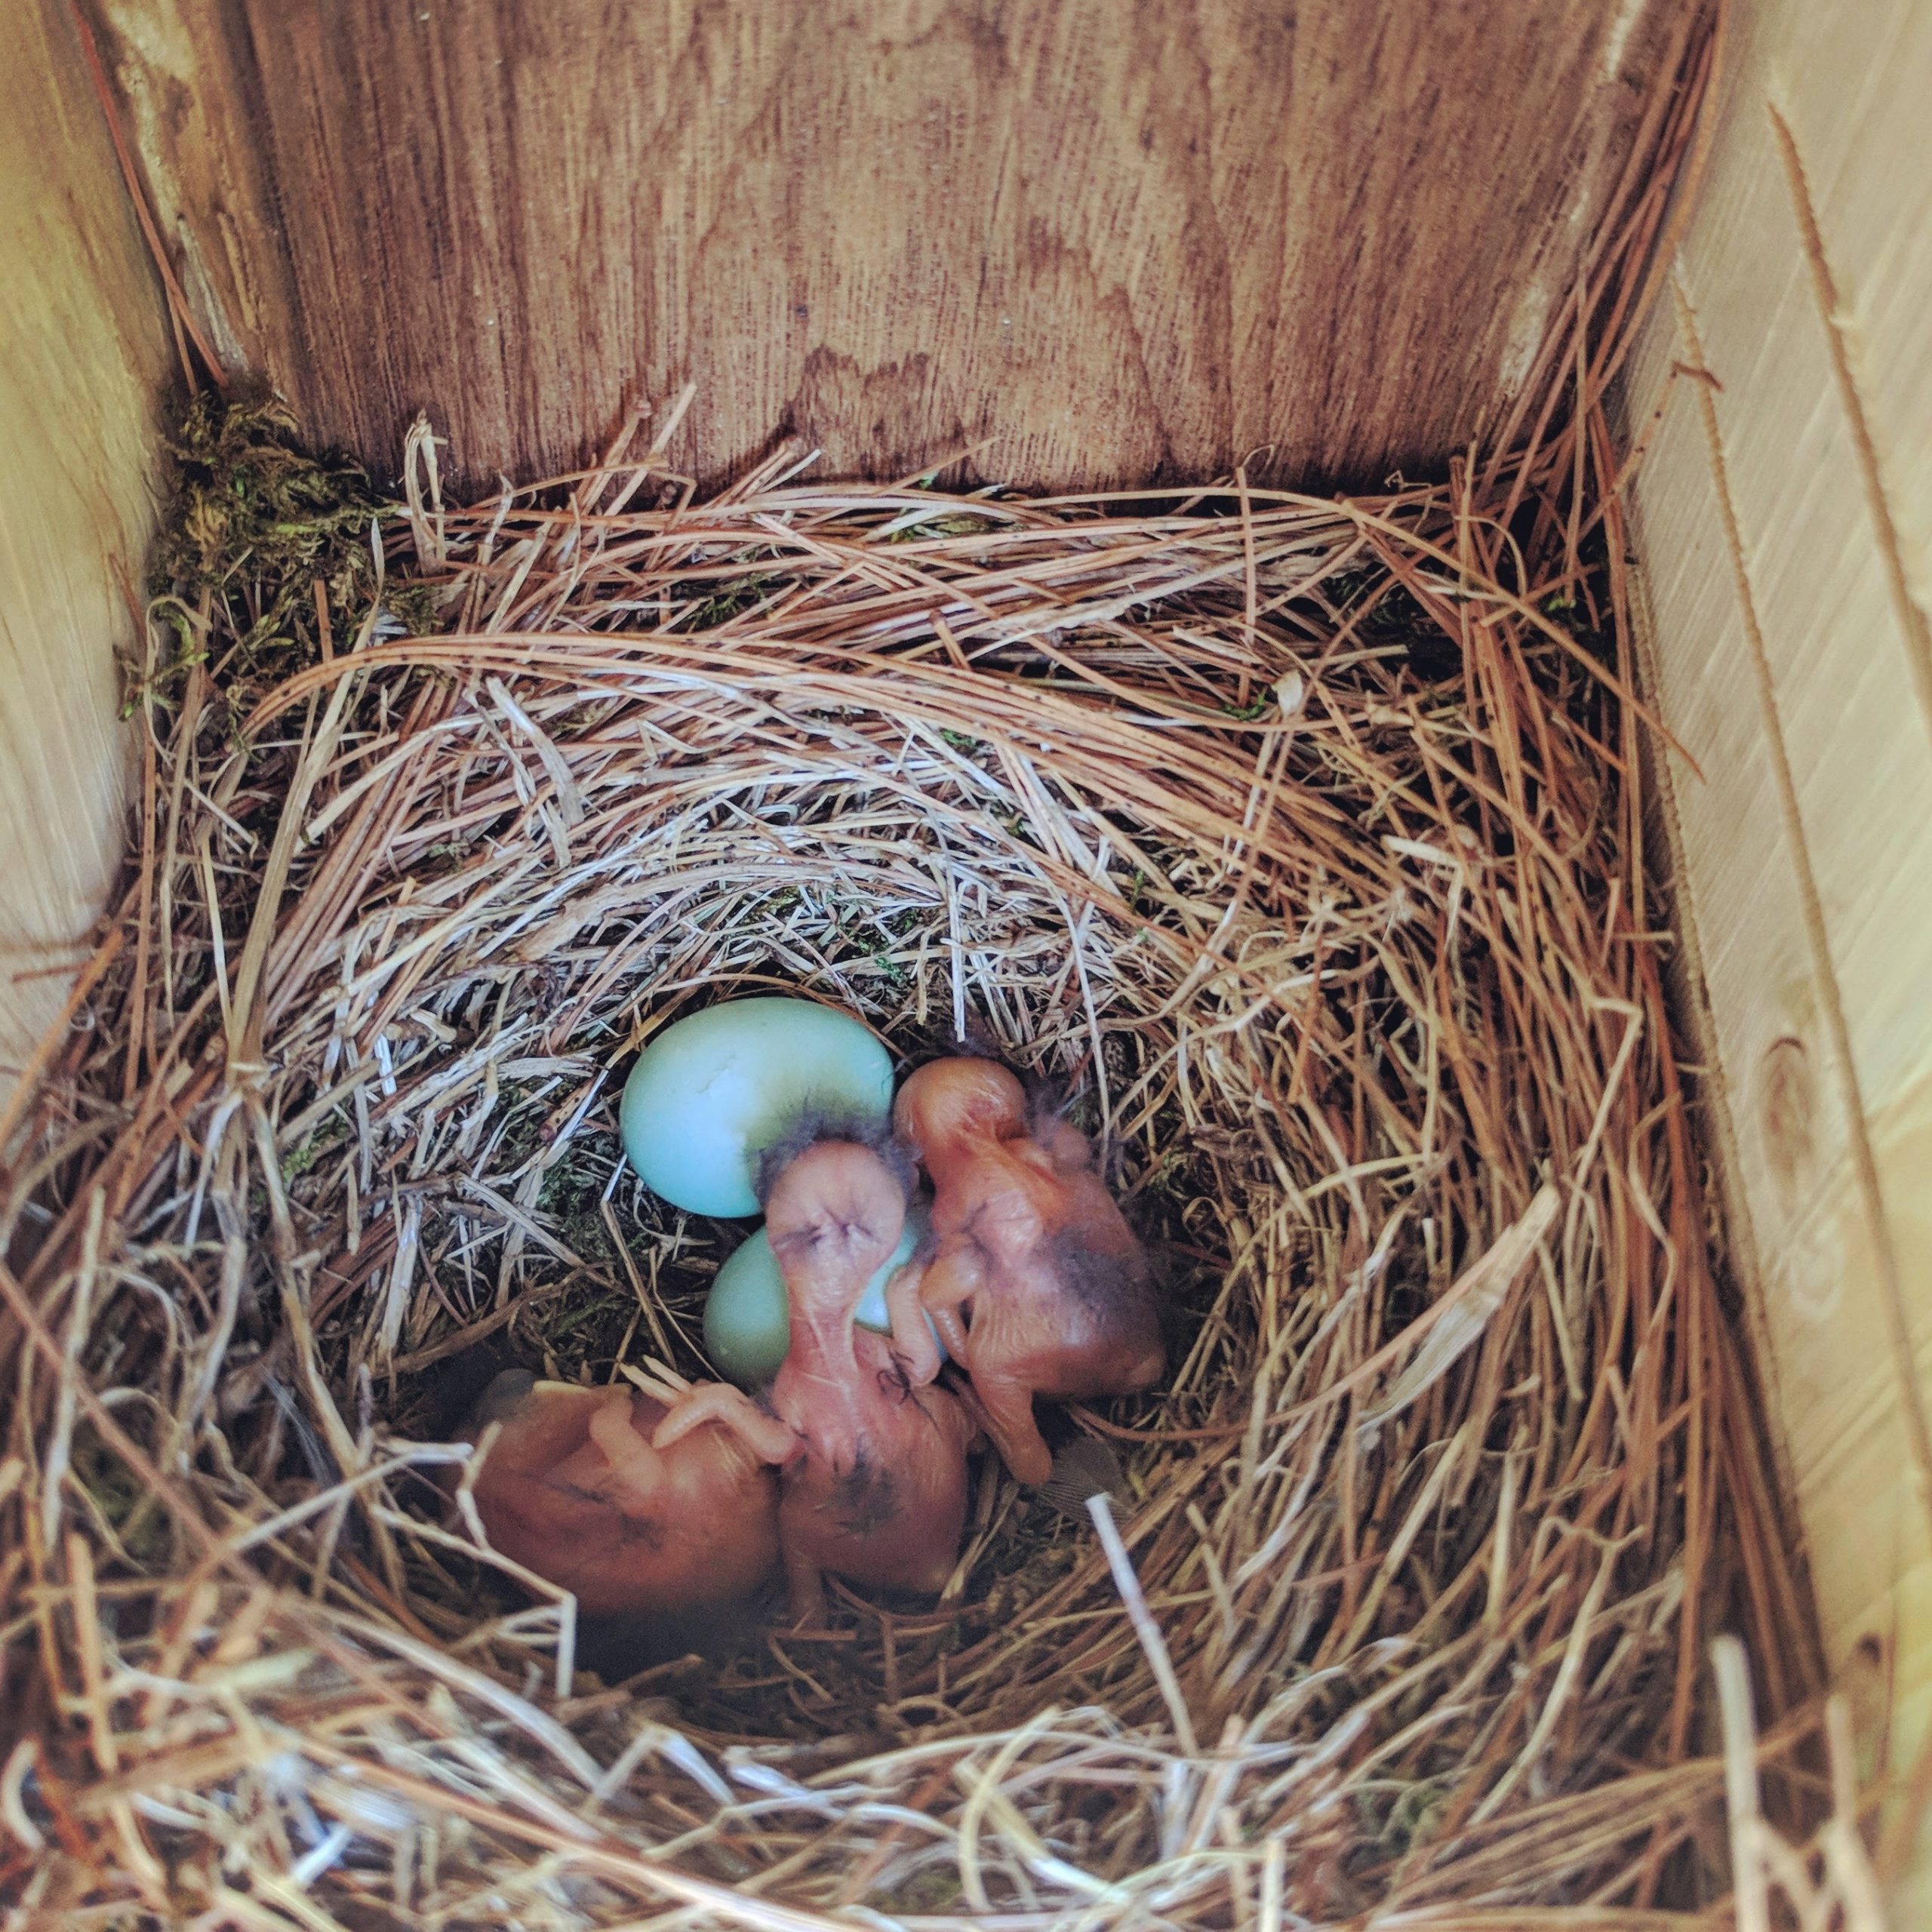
<point>248,495</point>
<point>936,1889</point>
<point>744,593</point>
<point>256,522</point>
<point>571,1196</point>
<point>1397,1818</point>
<point>573,1319</point>
<point>956,523</point>
<point>298,1160</point>
<point>413,606</point>
<point>124,1501</point>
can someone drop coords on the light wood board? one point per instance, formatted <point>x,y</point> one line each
<point>1119,239</point>
<point>1804,283</point>
<point>83,352</point>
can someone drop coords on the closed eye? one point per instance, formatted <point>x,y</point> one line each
<point>821,1234</point>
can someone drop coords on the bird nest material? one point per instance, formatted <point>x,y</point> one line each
<point>1306,838</point>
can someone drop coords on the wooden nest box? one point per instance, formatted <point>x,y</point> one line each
<point>1074,245</point>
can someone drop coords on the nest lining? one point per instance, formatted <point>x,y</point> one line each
<point>1306,837</point>
<point>1300,836</point>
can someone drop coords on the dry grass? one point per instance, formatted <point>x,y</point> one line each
<point>1307,837</point>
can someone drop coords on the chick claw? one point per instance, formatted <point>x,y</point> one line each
<point>953,1277</point>
<point>913,1348</point>
<point>770,1440</point>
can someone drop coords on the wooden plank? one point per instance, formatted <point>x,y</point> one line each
<point>1122,241</point>
<point>1805,279</point>
<point>84,351</point>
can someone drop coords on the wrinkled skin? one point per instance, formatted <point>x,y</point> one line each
<point>573,1488</point>
<point>1034,1280</point>
<point>873,1481</point>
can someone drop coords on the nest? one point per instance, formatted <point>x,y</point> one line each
<point>1303,839</point>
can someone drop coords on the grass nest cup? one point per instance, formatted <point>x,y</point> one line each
<point>1304,840</point>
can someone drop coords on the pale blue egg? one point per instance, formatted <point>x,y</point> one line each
<point>747,1328</point>
<point>712,1092</point>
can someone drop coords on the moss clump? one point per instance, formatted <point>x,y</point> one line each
<point>248,494</point>
<point>257,521</point>
<point>125,1504</point>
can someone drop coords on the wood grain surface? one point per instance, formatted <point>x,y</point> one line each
<point>1792,663</point>
<point>83,352</point>
<point>1120,239</point>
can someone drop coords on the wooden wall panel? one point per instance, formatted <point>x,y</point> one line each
<point>1123,241</point>
<point>1805,283</point>
<point>83,351</point>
